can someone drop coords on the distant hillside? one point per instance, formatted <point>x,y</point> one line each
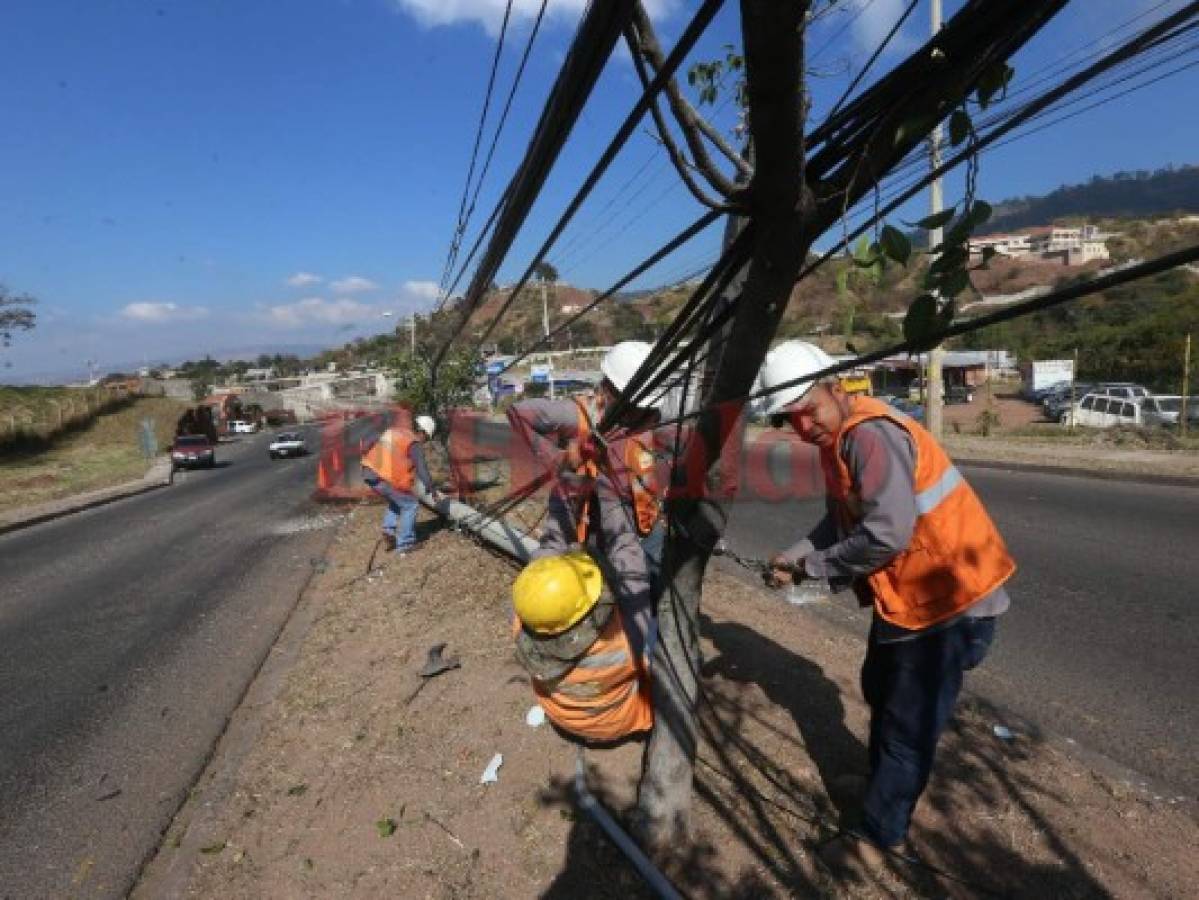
<point>1124,194</point>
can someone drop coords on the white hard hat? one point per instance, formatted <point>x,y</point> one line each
<point>786,362</point>
<point>426,424</point>
<point>622,361</point>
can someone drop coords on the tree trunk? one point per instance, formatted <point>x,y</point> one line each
<point>779,201</point>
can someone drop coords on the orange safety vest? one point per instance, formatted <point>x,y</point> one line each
<point>606,694</point>
<point>643,480</point>
<point>388,458</point>
<point>956,555</point>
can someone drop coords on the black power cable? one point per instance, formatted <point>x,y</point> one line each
<point>460,227</point>
<point>695,28</point>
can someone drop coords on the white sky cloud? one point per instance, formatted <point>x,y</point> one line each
<point>319,311</point>
<point>427,291</point>
<point>352,284</point>
<point>877,18</point>
<point>157,313</point>
<point>304,279</point>
<point>490,13</point>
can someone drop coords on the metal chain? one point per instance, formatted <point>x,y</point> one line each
<point>753,564</point>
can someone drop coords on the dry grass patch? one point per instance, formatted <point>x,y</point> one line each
<point>103,453</point>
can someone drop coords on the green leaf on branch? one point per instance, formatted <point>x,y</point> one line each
<point>936,220</point>
<point>864,253</point>
<point>954,282</point>
<point>988,255</point>
<point>896,244</point>
<point>842,279</point>
<point>920,322</point>
<point>980,212</point>
<point>945,316</point>
<point>959,127</point>
<point>953,258</point>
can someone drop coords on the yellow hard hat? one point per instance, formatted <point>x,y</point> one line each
<point>553,593</point>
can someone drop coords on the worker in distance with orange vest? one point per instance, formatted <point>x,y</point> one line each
<point>586,651</point>
<point>606,494</point>
<point>391,467</point>
<point>913,540</point>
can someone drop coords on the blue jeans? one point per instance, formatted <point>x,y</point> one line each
<point>653,544</point>
<point>400,518</point>
<point>912,687</point>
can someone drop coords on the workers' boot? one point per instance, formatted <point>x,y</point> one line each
<point>389,541</point>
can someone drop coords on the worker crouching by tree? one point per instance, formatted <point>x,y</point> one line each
<point>585,651</point>
<point>391,467</point>
<point>606,493</point>
<point>911,537</point>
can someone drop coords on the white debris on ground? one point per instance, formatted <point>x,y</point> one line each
<point>308,523</point>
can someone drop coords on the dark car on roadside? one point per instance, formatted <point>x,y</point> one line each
<point>192,450</point>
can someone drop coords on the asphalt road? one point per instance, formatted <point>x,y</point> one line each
<point>1101,644</point>
<point>128,634</point>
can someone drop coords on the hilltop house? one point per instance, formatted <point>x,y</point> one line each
<point>1073,246</point>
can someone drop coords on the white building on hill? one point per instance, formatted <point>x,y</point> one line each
<point>1073,246</point>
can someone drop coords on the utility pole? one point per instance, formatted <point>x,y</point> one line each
<point>935,386</point>
<point>1073,381</point>
<point>1186,386</point>
<point>412,334</point>
<point>545,328</point>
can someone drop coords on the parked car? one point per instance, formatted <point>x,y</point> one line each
<point>1125,389</point>
<point>1164,409</point>
<point>190,450</point>
<point>1057,404</point>
<point>240,426</point>
<point>288,443</point>
<point>1040,394</point>
<point>1104,410</point>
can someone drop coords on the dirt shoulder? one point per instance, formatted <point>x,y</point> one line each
<point>361,782</point>
<point>1103,454</point>
<point>103,453</point>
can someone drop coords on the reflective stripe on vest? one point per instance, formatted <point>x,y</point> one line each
<point>389,459</point>
<point>955,556</point>
<point>931,497</point>
<point>600,698</point>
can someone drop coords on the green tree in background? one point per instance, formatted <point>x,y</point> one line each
<point>414,386</point>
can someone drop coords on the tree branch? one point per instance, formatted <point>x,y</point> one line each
<point>681,163</point>
<point>695,128</point>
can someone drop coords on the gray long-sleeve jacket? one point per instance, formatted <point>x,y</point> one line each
<point>881,458</point>
<point>547,425</point>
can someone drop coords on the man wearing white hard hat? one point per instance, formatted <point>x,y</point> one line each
<point>607,493</point>
<point>391,467</point>
<point>912,539</point>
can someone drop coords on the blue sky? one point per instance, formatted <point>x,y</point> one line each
<point>181,177</point>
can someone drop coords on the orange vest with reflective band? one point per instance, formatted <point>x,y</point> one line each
<point>606,694</point>
<point>956,555</point>
<point>389,458</point>
<point>643,481</point>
